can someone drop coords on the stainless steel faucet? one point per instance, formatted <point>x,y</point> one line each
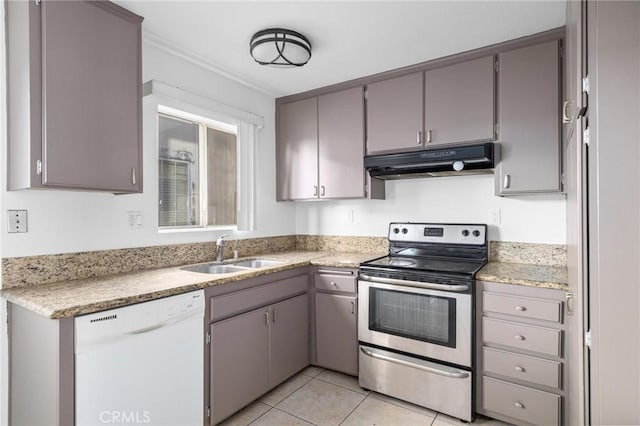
<point>220,248</point>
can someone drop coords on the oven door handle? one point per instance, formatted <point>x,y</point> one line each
<point>420,284</point>
<point>450,374</point>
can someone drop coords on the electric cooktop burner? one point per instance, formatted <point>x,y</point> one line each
<point>456,266</point>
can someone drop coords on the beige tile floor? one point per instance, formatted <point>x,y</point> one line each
<point>323,397</point>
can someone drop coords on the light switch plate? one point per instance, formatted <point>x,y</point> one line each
<point>17,220</point>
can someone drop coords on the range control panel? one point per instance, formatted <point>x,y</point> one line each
<point>472,234</point>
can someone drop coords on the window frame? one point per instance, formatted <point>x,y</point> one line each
<point>203,124</point>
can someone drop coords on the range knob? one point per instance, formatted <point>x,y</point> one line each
<point>405,230</point>
<point>476,233</point>
<point>465,232</point>
<point>396,230</point>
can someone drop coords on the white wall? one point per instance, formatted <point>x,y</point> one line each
<point>64,221</point>
<point>460,199</point>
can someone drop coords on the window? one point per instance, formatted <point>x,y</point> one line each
<point>197,172</point>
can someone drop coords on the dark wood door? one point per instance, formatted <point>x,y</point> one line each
<point>92,98</point>
<point>337,333</point>
<point>239,362</point>
<point>394,114</point>
<point>289,338</point>
<point>341,144</point>
<point>297,166</point>
<point>459,102</point>
<point>529,105</point>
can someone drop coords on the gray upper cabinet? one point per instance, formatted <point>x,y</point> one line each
<point>320,145</point>
<point>341,144</point>
<point>298,150</point>
<point>394,114</point>
<point>75,96</point>
<point>459,102</point>
<point>529,112</point>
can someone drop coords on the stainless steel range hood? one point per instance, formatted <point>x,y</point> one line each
<point>451,161</point>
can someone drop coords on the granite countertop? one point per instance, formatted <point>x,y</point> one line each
<point>78,297</point>
<point>554,277</point>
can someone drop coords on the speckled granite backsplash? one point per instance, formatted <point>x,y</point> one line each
<point>529,253</point>
<point>342,244</point>
<point>33,270</point>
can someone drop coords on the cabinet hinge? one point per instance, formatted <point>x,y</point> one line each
<point>587,339</point>
<point>39,167</point>
<point>585,85</point>
<point>586,136</point>
<point>208,411</point>
<point>208,337</point>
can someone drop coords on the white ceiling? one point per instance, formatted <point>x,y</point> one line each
<point>350,39</point>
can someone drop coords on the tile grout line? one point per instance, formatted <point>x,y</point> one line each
<point>293,415</point>
<point>354,409</point>
<point>344,387</point>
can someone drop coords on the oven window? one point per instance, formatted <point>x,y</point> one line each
<point>415,316</point>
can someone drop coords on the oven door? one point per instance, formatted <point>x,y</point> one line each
<point>430,323</point>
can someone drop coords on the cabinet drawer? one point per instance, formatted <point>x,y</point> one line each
<point>238,302</point>
<point>527,307</point>
<point>520,402</point>
<point>335,282</point>
<point>522,367</point>
<point>526,337</point>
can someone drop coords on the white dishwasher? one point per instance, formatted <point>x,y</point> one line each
<point>141,364</point>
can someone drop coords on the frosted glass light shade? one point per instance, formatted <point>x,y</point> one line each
<point>280,47</point>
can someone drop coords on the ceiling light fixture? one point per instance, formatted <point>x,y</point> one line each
<point>280,48</point>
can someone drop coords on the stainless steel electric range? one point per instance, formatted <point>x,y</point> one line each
<point>416,316</point>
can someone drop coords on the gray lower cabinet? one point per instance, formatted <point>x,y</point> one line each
<point>239,362</point>
<point>75,96</point>
<point>336,331</point>
<point>521,378</point>
<point>253,352</point>
<point>529,116</point>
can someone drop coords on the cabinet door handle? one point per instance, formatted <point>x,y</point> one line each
<point>507,181</point>
<point>322,191</point>
<point>315,190</point>
<point>266,318</point>
<point>518,404</point>
<point>273,317</point>
<point>419,137</point>
<point>353,307</point>
<point>519,369</point>
<point>570,303</point>
<point>133,176</point>
<point>519,337</point>
<point>429,136</point>
<point>565,112</point>
<point>521,308</point>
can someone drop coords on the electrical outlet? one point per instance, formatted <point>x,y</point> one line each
<point>350,216</point>
<point>134,219</point>
<point>495,216</point>
<point>17,221</point>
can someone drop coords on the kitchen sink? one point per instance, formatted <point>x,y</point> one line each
<point>257,263</point>
<point>215,269</point>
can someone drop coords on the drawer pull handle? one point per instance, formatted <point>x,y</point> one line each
<point>519,337</point>
<point>520,369</point>
<point>518,404</point>
<point>333,283</point>
<point>521,308</point>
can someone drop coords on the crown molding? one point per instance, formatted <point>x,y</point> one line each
<point>163,44</point>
